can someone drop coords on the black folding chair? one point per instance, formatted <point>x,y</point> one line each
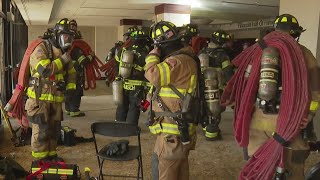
<point>114,129</point>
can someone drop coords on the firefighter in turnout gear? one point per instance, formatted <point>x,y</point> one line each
<point>264,118</point>
<point>130,85</point>
<point>216,70</point>
<point>52,73</point>
<point>187,32</point>
<point>73,101</point>
<point>114,50</point>
<point>172,70</point>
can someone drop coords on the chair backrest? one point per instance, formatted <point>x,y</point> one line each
<point>115,129</point>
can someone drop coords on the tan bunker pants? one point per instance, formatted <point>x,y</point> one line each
<point>46,118</point>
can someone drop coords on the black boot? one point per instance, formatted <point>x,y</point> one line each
<point>212,133</point>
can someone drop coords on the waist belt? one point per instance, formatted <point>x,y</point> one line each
<point>131,84</point>
<point>170,129</point>
<point>168,114</point>
<point>37,81</point>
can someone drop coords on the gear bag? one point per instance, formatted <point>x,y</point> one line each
<point>69,138</point>
<point>43,170</point>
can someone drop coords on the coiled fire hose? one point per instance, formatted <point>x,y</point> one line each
<point>92,73</point>
<point>15,106</point>
<point>109,69</point>
<point>295,101</point>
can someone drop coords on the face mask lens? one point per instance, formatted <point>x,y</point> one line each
<point>65,40</point>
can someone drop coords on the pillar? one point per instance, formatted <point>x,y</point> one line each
<point>124,26</point>
<point>308,15</point>
<point>177,14</point>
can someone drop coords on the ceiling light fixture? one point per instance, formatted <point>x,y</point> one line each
<point>192,3</point>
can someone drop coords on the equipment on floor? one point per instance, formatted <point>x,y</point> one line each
<point>53,170</point>
<point>10,169</point>
<point>69,138</point>
<point>314,172</point>
<point>20,136</point>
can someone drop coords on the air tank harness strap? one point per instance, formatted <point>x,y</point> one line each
<point>131,84</point>
<point>280,139</point>
<point>262,44</point>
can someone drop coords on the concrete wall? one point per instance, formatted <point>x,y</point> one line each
<point>307,13</point>
<point>238,34</point>
<point>105,39</point>
<point>101,39</point>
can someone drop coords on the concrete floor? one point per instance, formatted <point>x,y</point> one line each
<point>210,161</point>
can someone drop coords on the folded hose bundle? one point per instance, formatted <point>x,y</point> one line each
<point>15,106</point>
<point>92,72</point>
<point>295,101</point>
<point>109,69</point>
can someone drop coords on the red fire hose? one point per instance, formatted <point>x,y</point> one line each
<point>109,69</point>
<point>17,100</point>
<point>92,72</point>
<point>295,101</point>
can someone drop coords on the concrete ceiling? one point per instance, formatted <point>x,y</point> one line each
<point>35,12</point>
<point>109,12</point>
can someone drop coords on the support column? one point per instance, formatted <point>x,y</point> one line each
<point>124,26</point>
<point>177,14</point>
<point>308,15</point>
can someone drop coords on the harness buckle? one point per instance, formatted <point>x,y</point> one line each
<point>179,116</point>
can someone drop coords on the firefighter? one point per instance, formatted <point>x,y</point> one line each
<point>172,70</point>
<point>131,75</point>
<point>114,50</point>
<point>52,73</point>
<point>73,101</point>
<point>264,118</point>
<point>187,32</point>
<point>229,47</point>
<point>215,64</point>
<point>129,32</point>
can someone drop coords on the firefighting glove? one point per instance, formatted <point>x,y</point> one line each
<point>65,58</point>
<point>123,146</point>
<point>112,149</point>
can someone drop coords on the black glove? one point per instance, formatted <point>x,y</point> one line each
<point>123,146</point>
<point>112,149</point>
<point>116,148</point>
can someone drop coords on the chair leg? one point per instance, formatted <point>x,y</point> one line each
<point>138,176</point>
<point>141,167</point>
<point>100,171</point>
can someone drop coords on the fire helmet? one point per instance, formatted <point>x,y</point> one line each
<point>288,23</point>
<point>163,32</point>
<point>219,37</point>
<point>62,34</point>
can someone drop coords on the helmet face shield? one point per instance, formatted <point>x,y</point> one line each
<point>65,40</point>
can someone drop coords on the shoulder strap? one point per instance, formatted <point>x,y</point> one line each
<point>49,49</point>
<point>175,90</point>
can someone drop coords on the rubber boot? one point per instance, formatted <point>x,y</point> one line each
<point>77,114</point>
<point>67,112</point>
<point>212,133</point>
